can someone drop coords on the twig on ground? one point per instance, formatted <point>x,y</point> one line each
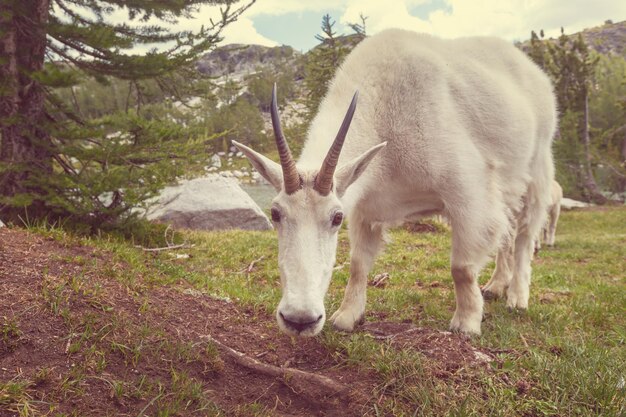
<point>180,246</point>
<point>392,336</point>
<point>339,267</point>
<point>253,263</point>
<point>168,242</point>
<point>291,376</point>
<point>380,280</point>
<point>524,341</point>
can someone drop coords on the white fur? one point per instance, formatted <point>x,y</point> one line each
<point>468,125</point>
<point>548,231</point>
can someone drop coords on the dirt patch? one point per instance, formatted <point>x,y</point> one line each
<point>81,334</point>
<point>448,352</point>
<point>418,227</point>
<point>553,296</point>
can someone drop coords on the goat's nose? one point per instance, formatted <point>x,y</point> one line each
<point>300,322</point>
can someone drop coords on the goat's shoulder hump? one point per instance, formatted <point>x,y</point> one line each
<point>410,40</point>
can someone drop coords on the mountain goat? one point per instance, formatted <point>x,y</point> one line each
<point>459,127</point>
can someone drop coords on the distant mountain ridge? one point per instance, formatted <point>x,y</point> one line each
<point>237,60</point>
<point>609,38</point>
<point>245,59</point>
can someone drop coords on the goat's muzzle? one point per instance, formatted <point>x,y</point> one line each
<point>300,322</point>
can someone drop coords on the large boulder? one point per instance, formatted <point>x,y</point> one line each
<point>208,203</point>
<point>568,204</point>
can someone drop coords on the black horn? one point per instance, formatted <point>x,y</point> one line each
<point>324,179</point>
<point>291,178</point>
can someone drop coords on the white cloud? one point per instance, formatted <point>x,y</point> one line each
<point>384,14</point>
<point>509,19</point>
<point>240,31</point>
<point>243,31</point>
<point>481,17</point>
<point>280,7</point>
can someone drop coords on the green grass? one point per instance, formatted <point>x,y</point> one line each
<point>569,347</point>
<point>565,356</point>
<point>15,398</point>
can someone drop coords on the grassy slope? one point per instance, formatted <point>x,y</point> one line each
<point>565,356</point>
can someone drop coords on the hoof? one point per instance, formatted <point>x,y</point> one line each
<point>467,327</point>
<point>345,322</point>
<point>489,296</point>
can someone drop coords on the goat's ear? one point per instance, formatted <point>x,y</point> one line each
<point>268,169</point>
<point>349,172</point>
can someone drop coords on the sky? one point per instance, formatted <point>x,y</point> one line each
<point>296,22</point>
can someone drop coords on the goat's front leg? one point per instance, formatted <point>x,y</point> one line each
<point>472,242</point>
<point>366,241</point>
<point>469,302</point>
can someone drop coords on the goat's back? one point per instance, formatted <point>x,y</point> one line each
<point>445,107</point>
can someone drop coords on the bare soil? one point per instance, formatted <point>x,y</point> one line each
<point>93,341</point>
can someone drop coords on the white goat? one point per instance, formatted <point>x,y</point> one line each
<point>548,231</point>
<point>461,127</point>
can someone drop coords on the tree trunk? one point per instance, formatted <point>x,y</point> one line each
<point>25,153</point>
<point>590,182</point>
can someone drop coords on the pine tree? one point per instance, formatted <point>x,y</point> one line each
<point>570,63</point>
<point>607,104</point>
<point>359,28</point>
<point>538,50</point>
<point>321,64</point>
<point>52,160</point>
<point>576,66</point>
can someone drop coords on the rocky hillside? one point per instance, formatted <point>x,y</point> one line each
<point>237,60</point>
<point>609,38</point>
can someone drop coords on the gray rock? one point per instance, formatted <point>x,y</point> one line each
<point>257,178</point>
<point>216,161</point>
<point>568,203</point>
<point>208,203</point>
<point>1,224</point>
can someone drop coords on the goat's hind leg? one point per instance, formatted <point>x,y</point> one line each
<point>555,211</point>
<point>502,274</point>
<point>529,222</point>
<point>366,241</point>
<point>518,291</point>
<point>505,264</point>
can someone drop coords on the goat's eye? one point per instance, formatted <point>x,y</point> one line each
<point>337,219</point>
<point>275,215</point>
